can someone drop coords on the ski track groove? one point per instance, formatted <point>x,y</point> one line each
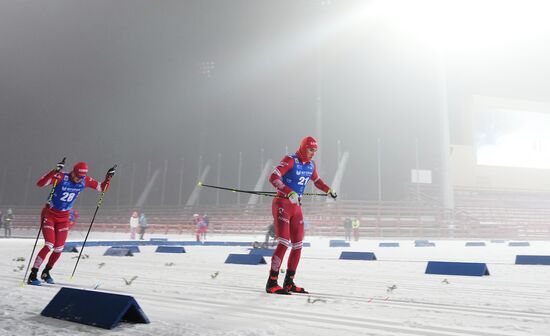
<point>480,310</point>
<point>175,299</point>
<point>337,321</point>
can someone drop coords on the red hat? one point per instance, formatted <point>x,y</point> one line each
<point>307,142</point>
<point>80,169</point>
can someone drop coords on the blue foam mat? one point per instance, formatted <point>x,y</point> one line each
<point>164,242</point>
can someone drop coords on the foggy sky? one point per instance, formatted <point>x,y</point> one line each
<point>123,82</point>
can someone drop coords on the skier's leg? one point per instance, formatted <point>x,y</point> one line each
<point>61,233</point>
<point>282,220</point>
<point>49,241</point>
<point>296,236</point>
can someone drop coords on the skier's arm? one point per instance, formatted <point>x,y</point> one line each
<point>91,183</point>
<point>104,186</point>
<point>276,177</point>
<point>52,176</point>
<point>49,178</point>
<point>319,183</point>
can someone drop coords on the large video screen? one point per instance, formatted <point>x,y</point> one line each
<point>512,138</point>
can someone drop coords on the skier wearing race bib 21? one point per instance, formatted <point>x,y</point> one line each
<point>290,178</point>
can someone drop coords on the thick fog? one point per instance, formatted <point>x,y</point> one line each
<point>185,84</point>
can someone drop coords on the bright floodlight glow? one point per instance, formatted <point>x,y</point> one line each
<point>467,23</point>
<point>512,133</point>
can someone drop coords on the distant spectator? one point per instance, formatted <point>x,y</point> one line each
<point>73,217</point>
<point>206,223</point>
<point>8,220</point>
<point>270,234</point>
<point>355,224</point>
<point>199,224</point>
<point>142,225</point>
<point>134,223</point>
<point>347,229</point>
<point>306,225</point>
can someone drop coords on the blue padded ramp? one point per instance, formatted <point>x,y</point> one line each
<point>457,268</point>
<point>70,248</point>
<point>475,244</point>
<point>170,249</point>
<point>388,244</point>
<point>245,259</point>
<point>357,255</point>
<point>532,260</point>
<point>519,244</point>
<point>118,252</point>
<point>132,248</point>
<point>262,251</point>
<point>98,309</point>
<point>338,243</point>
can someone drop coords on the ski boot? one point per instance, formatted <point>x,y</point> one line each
<point>289,284</point>
<point>272,287</point>
<point>46,275</point>
<point>33,277</point>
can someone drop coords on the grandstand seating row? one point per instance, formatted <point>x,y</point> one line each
<point>378,219</point>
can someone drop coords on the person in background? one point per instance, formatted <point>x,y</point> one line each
<point>290,179</point>
<point>270,234</point>
<point>306,225</point>
<point>198,226</point>
<point>205,222</point>
<point>8,221</point>
<point>347,229</point>
<point>142,225</point>
<point>73,217</point>
<point>355,224</point>
<point>134,223</point>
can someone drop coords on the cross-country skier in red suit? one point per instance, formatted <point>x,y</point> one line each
<point>55,215</point>
<point>290,178</point>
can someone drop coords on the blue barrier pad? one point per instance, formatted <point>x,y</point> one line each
<point>532,260</point>
<point>475,244</point>
<point>388,244</point>
<point>98,309</point>
<point>457,268</point>
<point>170,249</point>
<point>357,255</point>
<point>245,259</point>
<point>423,244</point>
<point>118,252</point>
<point>338,243</point>
<point>519,244</point>
<point>262,251</point>
<point>70,248</point>
<point>158,239</point>
<point>132,248</point>
<point>166,243</point>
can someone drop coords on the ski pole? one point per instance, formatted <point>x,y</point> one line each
<point>93,218</point>
<point>262,193</point>
<point>50,196</point>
